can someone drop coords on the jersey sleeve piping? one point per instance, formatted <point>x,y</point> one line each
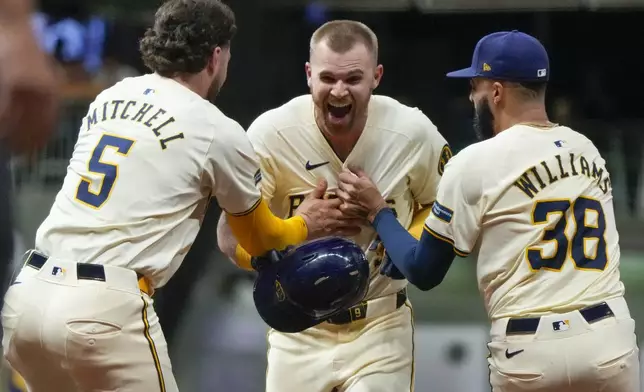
<point>450,241</point>
<point>248,211</point>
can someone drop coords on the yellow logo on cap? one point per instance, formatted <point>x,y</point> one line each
<point>486,67</point>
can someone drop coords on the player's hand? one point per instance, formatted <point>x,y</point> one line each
<point>270,257</point>
<point>28,90</point>
<point>356,188</point>
<point>323,217</point>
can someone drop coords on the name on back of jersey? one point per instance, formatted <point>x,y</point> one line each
<point>560,167</point>
<point>155,118</point>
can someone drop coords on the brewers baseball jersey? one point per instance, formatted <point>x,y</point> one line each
<point>534,206</point>
<point>400,149</point>
<point>149,155</point>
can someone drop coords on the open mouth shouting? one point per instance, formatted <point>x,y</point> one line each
<point>339,112</point>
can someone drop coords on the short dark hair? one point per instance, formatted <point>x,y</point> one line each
<point>342,35</point>
<point>533,89</point>
<point>185,34</point>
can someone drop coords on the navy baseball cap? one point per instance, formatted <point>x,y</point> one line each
<point>508,55</point>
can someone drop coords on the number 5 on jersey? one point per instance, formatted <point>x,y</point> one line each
<point>590,227</point>
<point>109,171</point>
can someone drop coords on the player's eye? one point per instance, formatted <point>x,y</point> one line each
<point>354,80</point>
<point>327,79</point>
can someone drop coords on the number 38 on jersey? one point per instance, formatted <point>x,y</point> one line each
<point>585,247</point>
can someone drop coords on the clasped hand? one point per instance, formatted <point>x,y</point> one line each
<point>324,216</point>
<point>359,194</point>
<point>362,197</point>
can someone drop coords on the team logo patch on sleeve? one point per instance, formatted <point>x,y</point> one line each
<point>258,176</point>
<point>446,155</point>
<point>442,213</point>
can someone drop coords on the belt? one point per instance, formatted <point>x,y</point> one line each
<point>359,312</point>
<point>86,271</point>
<point>529,325</point>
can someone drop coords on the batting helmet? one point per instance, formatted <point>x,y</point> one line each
<point>303,286</point>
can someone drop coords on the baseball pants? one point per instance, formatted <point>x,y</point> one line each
<point>375,354</point>
<point>80,327</point>
<point>593,349</point>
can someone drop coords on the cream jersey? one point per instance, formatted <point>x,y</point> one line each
<point>534,206</point>
<point>150,154</point>
<point>400,149</point>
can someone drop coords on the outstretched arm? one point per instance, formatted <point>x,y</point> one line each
<point>423,262</point>
<point>446,234</point>
<point>323,217</point>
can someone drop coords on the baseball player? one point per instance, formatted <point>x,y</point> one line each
<point>533,204</point>
<point>315,136</point>
<point>150,153</point>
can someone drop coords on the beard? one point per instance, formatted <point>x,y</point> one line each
<point>483,121</point>
<point>214,90</point>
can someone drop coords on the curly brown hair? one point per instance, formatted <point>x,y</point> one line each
<point>185,34</point>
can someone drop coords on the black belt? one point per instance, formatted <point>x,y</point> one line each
<point>83,270</point>
<point>529,325</point>
<point>359,312</point>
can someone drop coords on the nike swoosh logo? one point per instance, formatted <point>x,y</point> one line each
<point>310,166</point>
<point>509,355</point>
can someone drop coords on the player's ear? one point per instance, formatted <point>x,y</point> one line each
<point>497,92</point>
<point>307,69</point>
<point>214,60</point>
<point>377,76</point>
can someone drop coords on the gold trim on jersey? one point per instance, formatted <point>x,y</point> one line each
<point>412,384</point>
<point>450,241</point>
<point>248,211</point>
<point>153,348</point>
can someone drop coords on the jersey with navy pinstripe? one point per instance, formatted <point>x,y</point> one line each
<point>534,207</point>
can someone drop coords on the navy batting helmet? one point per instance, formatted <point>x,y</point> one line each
<point>303,286</point>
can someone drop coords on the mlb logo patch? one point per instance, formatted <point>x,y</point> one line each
<point>148,91</point>
<point>542,73</point>
<point>560,143</point>
<point>562,325</point>
<point>58,271</point>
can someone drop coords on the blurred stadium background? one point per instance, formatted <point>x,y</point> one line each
<point>217,341</point>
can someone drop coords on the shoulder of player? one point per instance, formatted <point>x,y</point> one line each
<point>131,84</point>
<point>289,116</point>
<point>122,86</point>
<point>473,158</point>
<point>207,119</point>
<point>392,116</point>
<point>577,135</point>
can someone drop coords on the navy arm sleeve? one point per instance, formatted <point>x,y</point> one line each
<point>424,263</point>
